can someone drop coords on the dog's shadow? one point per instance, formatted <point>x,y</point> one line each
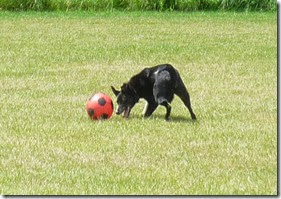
<point>175,118</point>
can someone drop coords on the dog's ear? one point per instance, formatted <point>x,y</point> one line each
<point>124,87</point>
<point>116,92</point>
<point>146,72</point>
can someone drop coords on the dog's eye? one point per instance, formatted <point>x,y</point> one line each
<point>121,99</point>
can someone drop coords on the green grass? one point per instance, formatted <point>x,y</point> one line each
<point>51,63</point>
<point>159,5</point>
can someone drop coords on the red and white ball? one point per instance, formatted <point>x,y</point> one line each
<point>99,106</point>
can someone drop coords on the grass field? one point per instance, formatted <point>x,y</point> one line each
<point>51,63</point>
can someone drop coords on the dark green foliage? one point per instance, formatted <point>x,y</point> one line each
<point>251,5</point>
<point>159,5</point>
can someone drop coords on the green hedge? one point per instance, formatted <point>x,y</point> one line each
<point>159,5</point>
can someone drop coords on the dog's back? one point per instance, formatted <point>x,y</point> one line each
<point>158,82</point>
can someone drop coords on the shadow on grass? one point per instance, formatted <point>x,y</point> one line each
<point>173,118</point>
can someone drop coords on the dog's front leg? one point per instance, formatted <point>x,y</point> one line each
<point>168,109</point>
<point>149,108</point>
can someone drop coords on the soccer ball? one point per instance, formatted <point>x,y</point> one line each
<point>99,106</point>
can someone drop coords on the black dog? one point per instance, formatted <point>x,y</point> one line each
<point>157,85</point>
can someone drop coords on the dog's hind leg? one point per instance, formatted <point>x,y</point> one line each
<point>181,91</point>
<point>149,108</point>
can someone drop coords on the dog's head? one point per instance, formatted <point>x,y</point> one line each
<point>126,99</point>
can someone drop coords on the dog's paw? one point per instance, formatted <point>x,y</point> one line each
<point>168,119</point>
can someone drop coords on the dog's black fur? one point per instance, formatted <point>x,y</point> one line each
<point>157,85</point>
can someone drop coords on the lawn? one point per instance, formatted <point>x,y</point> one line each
<point>51,63</point>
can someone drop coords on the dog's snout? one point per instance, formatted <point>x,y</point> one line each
<point>118,111</point>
